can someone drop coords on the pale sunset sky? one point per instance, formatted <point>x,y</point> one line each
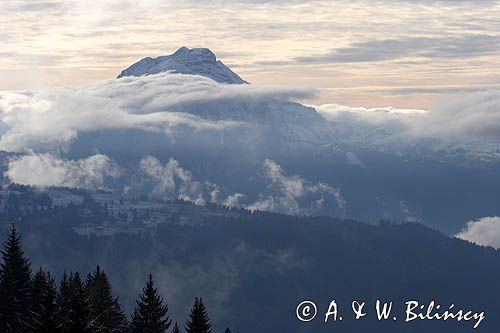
<point>370,53</point>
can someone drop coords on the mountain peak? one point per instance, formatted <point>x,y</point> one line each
<point>196,61</point>
<point>181,51</point>
<point>196,53</point>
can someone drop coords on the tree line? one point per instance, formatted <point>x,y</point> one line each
<point>35,303</point>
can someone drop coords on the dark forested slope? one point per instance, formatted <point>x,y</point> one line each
<point>254,268</point>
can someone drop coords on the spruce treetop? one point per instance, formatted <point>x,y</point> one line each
<point>150,314</point>
<point>198,318</point>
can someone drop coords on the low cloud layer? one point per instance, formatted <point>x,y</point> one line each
<point>233,200</point>
<point>173,180</point>
<point>285,194</point>
<point>464,117</point>
<point>475,115</point>
<point>48,170</point>
<point>484,231</point>
<point>288,191</point>
<point>52,118</point>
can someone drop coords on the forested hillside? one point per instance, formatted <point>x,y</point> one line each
<point>252,269</point>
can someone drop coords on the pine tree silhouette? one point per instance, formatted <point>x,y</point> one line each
<point>38,286</point>
<point>105,312</point>
<point>15,286</point>
<point>79,307</point>
<point>34,305</point>
<point>198,318</point>
<point>227,330</point>
<point>150,315</point>
<point>43,304</point>
<point>63,301</point>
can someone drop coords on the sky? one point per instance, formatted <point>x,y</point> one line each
<point>370,53</point>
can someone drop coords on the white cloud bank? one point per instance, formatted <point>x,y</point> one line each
<point>172,180</point>
<point>471,116</point>
<point>289,190</point>
<point>287,194</point>
<point>47,170</point>
<point>484,231</point>
<point>233,200</point>
<point>52,118</point>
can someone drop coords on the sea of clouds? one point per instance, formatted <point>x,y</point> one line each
<point>457,117</point>
<point>42,124</point>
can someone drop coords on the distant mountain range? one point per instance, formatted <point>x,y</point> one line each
<point>186,126</point>
<point>190,167</point>
<point>302,124</point>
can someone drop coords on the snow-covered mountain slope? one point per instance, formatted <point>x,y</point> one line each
<point>384,130</point>
<point>267,114</point>
<point>196,61</point>
<point>287,123</point>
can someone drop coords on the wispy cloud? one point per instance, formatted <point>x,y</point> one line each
<point>54,117</point>
<point>61,42</point>
<point>233,200</point>
<point>457,117</point>
<point>483,231</point>
<point>48,170</point>
<point>469,116</point>
<point>287,194</point>
<point>430,48</point>
<point>173,180</point>
<point>290,193</point>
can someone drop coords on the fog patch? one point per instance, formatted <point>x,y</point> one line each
<point>289,191</point>
<point>484,231</point>
<point>50,119</point>
<point>48,170</point>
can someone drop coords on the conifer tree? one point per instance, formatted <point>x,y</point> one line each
<point>43,304</point>
<point>150,315</point>
<point>105,312</point>
<point>176,329</point>
<point>15,285</point>
<point>227,330</point>
<point>79,307</point>
<point>63,301</point>
<point>38,285</point>
<point>198,318</point>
